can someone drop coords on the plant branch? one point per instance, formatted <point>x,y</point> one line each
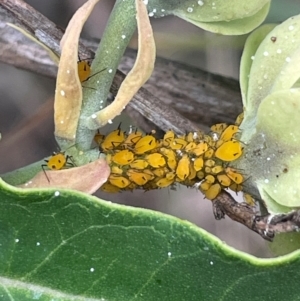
<point>177,96</point>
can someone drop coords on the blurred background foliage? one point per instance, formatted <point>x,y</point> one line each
<point>26,108</point>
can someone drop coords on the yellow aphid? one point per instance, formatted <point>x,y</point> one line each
<point>207,170</point>
<point>99,138</point>
<point>84,70</point>
<point>116,170</point>
<point>145,144</point>
<point>213,191</point>
<point>139,164</point>
<point>139,177</point>
<point>118,181</point>
<point>200,175</point>
<point>132,139</point>
<point>224,180</point>
<point>210,179</point>
<point>168,137</point>
<point>198,163</point>
<point>193,172</point>
<point>123,157</point>
<point>200,148</point>
<point>229,151</point>
<point>156,160</point>
<point>218,128</point>
<point>239,119</point>
<point>209,163</point>
<point>177,144</point>
<point>159,172</point>
<point>183,168</point>
<point>190,137</point>
<point>249,199</point>
<point>217,169</point>
<point>209,154</point>
<point>107,187</point>
<point>57,161</point>
<point>190,146</point>
<point>113,139</point>
<point>164,182</point>
<point>234,175</point>
<point>204,186</point>
<point>229,133</point>
<point>171,157</point>
<point>236,187</point>
<point>170,175</point>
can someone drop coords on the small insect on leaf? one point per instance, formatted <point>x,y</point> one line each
<point>140,177</point>
<point>84,70</point>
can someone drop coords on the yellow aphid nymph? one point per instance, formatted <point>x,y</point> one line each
<point>84,70</point>
<point>145,144</point>
<point>156,160</point>
<point>183,168</point>
<point>229,151</point>
<point>118,181</point>
<point>213,191</point>
<point>113,139</point>
<point>218,128</point>
<point>234,175</point>
<point>229,133</point>
<point>123,157</point>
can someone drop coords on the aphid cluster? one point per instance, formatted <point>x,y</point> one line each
<point>195,159</point>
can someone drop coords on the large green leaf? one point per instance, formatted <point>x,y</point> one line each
<point>275,66</point>
<point>220,16</point>
<point>64,245</point>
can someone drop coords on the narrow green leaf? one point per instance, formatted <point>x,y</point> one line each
<point>64,245</point>
<point>221,16</point>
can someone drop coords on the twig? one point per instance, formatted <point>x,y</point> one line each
<point>266,226</point>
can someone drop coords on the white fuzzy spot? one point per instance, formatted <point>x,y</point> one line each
<point>288,59</point>
<point>151,14</point>
<point>56,193</point>
<point>200,2</point>
<point>146,2</point>
<point>211,262</point>
<point>92,270</point>
<point>17,240</point>
<point>62,93</point>
<point>268,159</point>
<point>190,10</point>
<point>169,254</point>
<point>291,27</point>
<point>38,243</point>
<point>123,36</point>
<point>252,57</point>
<point>266,53</point>
<point>109,121</point>
<point>279,51</point>
<point>266,181</point>
<point>110,71</point>
<point>68,71</point>
<point>94,116</point>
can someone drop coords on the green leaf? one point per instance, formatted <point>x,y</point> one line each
<point>229,17</point>
<point>65,245</point>
<point>275,66</point>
